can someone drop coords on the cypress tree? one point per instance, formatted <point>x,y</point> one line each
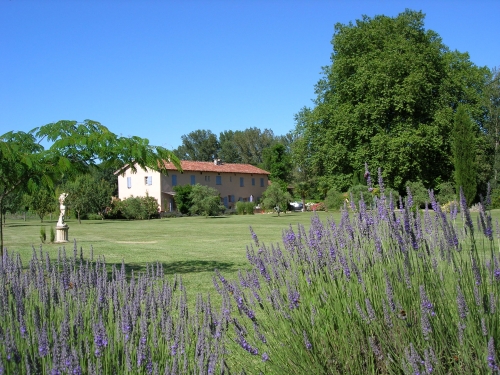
<point>464,154</point>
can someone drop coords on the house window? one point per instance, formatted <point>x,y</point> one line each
<point>218,180</point>
<point>261,182</point>
<point>207,178</point>
<point>242,180</point>
<point>253,181</point>
<point>148,180</point>
<point>230,198</point>
<point>174,180</point>
<point>193,179</point>
<point>129,182</point>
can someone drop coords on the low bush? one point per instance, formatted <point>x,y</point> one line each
<point>380,292</point>
<point>52,234</point>
<point>245,208</point>
<point>137,208</point>
<point>334,200</point>
<point>43,234</point>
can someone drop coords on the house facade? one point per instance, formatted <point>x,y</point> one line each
<point>234,182</point>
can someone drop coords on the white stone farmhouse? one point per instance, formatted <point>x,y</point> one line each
<point>235,182</point>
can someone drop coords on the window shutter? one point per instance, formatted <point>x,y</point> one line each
<point>129,182</point>
<point>150,180</point>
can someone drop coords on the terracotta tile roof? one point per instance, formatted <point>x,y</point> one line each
<point>208,166</point>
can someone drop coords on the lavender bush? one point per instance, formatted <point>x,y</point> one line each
<point>383,291</point>
<point>71,317</point>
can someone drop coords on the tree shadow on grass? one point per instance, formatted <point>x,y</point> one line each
<point>178,267</point>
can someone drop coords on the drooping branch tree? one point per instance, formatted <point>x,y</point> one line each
<point>75,146</point>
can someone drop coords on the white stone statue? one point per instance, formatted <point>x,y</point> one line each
<point>62,208</point>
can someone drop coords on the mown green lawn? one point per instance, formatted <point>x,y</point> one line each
<point>190,246</point>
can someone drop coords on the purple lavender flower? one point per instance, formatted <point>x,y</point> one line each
<point>491,355</point>
<point>100,338</point>
<point>434,204</point>
<point>265,357</point>
<point>463,310</point>
<point>245,345</point>
<point>389,292</point>
<point>429,358</point>
<point>380,181</point>
<point>409,198</point>
<point>293,296</point>
<point>254,237</point>
<point>306,341</point>
<point>465,210</point>
<point>484,329</point>
<point>43,342</point>
<point>362,313</point>
<point>496,274</point>
<point>426,305</point>
<point>369,309</point>
<point>375,348</point>
<point>414,359</point>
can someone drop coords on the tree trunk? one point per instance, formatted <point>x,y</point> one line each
<point>78,214</point>
<point>24,216</point>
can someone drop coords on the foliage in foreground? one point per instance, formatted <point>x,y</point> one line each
<point>381,292</point>
<point>70,317</point>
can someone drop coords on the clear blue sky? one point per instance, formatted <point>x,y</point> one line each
<point>161,69</point>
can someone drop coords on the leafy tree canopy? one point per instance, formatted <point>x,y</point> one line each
<point>199,145</point>
<point>278,162</point>
<point>388,99</point>
<point>276,196</point>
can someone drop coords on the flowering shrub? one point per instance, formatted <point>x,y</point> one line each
<point>379,292</point>
<point>317,206</point>
<point>382,291</point>
<point>68,317</point>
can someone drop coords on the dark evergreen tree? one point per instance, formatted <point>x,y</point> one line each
<point>464,154</point>
<point>279,162</point>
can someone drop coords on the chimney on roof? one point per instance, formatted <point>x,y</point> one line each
<point>217,162</point>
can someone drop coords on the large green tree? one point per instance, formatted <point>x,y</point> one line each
<point>492,123</point>
<point>74,146</point>
<point>276,197</point>
<point>278,162</point>
<point>88,195</point>
<point>388,99</point>
<point>251,143</point>
<point>464,154</point>
<point>228,151</point>
<point>42,201</point>
<point>199,145</point>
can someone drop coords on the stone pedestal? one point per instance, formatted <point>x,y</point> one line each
<point>62,233</point>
